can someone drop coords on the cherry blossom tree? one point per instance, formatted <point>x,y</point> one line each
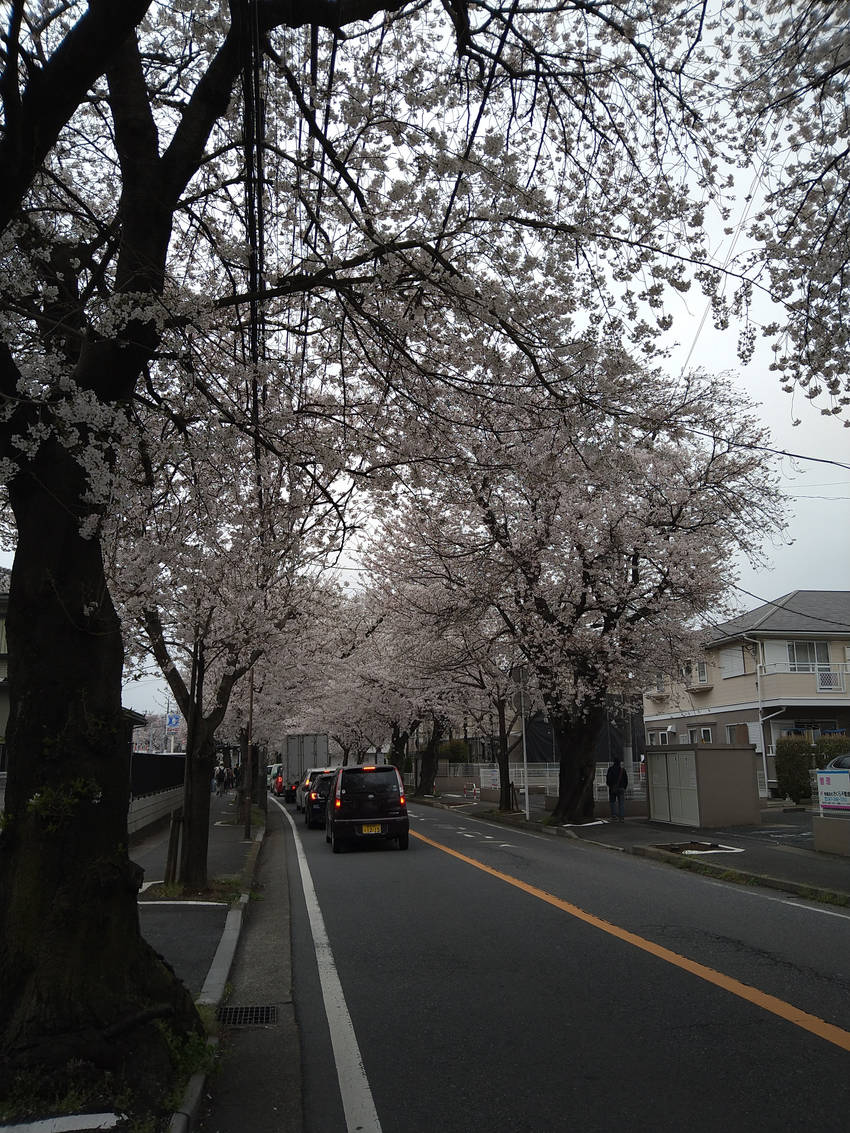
<point>215,553</point>
<point>437,180</point>
<point>596,534</point>
<point>792,131</point>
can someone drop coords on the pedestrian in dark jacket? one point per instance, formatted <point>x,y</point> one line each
<point>617,779</point>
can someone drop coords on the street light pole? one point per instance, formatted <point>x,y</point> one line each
<point>248,772</point>
<point>524,748</point>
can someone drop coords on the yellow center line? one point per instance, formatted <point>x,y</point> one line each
<point>791,1014</point>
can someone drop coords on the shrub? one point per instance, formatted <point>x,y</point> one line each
<point>793,760</point>
<point>827,747</point>
<point>455,751</point>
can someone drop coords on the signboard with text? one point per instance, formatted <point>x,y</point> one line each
<point>834,791</point>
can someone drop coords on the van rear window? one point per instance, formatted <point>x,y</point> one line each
<point>381,781</point>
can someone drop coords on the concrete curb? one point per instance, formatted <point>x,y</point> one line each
<point>742,877</point>
<point>677,861</point>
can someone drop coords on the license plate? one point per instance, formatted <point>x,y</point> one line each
<point>371,828</point>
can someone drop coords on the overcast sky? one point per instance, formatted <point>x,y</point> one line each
<point>816,555</point>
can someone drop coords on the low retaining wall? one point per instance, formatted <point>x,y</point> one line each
<point>149,809</point>
<point>832,835</point>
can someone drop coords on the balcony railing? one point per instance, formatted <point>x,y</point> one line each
<point>827,678</point>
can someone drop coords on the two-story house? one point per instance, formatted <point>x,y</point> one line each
<point>781,669</point>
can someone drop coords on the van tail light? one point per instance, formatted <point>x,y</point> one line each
<point>401,797</point>
<point>314,795</point>
<point>337,803</point>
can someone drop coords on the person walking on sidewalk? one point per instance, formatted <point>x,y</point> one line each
<point>617,779</point>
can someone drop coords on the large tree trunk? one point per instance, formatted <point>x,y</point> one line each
<point>78,983</point>
<point>575,738</point>
<point>428,767</point>
<point>200,764</point>
<point>505,800</point>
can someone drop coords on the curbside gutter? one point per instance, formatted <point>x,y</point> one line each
<point>184,1119</point>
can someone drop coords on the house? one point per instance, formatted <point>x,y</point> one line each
<point>783,669</point>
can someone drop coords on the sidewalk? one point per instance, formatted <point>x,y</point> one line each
<point>256,1083</point>
<point>199,939</point>
<point>749,855</point>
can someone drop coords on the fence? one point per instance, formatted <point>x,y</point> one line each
<point>546,776</point>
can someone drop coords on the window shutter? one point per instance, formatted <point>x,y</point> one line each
<point>731,661</point>
<point>754,733</point>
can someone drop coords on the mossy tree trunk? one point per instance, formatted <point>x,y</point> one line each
<point>77,979</point>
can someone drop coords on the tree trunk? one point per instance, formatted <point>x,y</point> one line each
<point>575,739</point>
<point>428,766</point>
<point>200,763</point>
<point>505,800</point>
<point>75,972</point>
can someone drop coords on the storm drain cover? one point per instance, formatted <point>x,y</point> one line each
<point>247,1016</point>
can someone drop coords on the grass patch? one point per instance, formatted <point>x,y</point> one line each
<point>227,889</point>
<point>143,1100</point>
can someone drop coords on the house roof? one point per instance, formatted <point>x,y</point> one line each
<point>821,612</point>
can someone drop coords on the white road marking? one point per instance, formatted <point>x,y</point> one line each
<point>357,1102</point>
<point>791,902</point>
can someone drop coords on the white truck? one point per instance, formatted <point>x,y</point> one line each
<point>303,751</point>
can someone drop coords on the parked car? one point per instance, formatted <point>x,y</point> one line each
<point>840,762</point>
<point>316,799</point>
<point>304,785</point>
<point>366,804</point>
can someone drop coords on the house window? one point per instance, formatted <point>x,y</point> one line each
<point>699,735</point>
<point>695,673</point>
<point>652,737</point>
<point>808,656</point>
<point>731,733</point>
<point>663,738</point>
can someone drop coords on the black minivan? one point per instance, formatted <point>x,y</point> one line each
<point>366,803</point>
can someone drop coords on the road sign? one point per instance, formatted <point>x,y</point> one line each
<point>172,721</point>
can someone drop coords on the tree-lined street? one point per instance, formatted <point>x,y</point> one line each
<point>478,1005</point>
<point>293,290</point>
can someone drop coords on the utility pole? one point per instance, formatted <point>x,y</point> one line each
<point>248,770</point>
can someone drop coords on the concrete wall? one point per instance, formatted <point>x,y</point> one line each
<point>832,835</point>
<point>150,809</point>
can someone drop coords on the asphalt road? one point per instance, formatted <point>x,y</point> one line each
<point>568,987</point>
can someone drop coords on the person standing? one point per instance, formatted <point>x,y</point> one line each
<point>617,779</point>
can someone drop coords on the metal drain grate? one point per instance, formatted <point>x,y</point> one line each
<point>247,1016</point>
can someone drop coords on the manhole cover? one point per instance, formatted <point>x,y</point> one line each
<point>247,1016</point>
